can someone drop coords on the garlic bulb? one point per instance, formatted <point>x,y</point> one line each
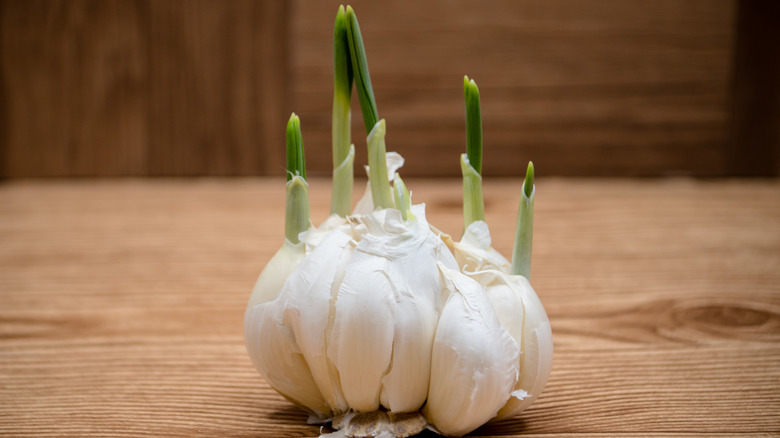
<point>377,322</point>
<point>379,316</point>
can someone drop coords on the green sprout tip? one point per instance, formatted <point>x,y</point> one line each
<point>528,184</point>
<point>295,158</point>
<point>473,124</point>
<point>362,78</point>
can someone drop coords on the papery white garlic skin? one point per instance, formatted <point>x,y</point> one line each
<point>474,251</point>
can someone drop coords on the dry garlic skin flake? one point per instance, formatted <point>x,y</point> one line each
<point>375,321</point>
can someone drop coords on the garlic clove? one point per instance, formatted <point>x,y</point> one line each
<point>505,300</point>
<point>417,289</point>
<point>521,313</point>
<point>405,386</point>
<point>310,301</point>
<point>537,344</point>
<point>361,341</point>
<point>274,352</point>
<point>270,341</point>
<point>275,273</point>
<point>518,309</point>
<point>474,360</point>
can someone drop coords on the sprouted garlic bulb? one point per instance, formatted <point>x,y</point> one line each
<point>377,322</point>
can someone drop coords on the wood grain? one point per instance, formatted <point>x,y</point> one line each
<point>121,305</point>
<point>74,78</point>
<point>142,88</point>
<point>755,146</point>
<point>217,94</point>
<point>203,87</point>
<point>614,88</point>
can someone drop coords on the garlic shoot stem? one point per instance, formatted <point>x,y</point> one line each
<point>296,213</point>
<point>381,193</point>
<point>343,152</point>
<point>380,185</point>
<point>357,54</point>
<point>524,232</point>
<point>343,177</point>
<point>403,199</point>
<point>473,204</point>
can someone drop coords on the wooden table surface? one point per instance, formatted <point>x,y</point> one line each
<point>121,305</point>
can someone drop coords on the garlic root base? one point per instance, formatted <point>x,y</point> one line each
<point>380,424</point>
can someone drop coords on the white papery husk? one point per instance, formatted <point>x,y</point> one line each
<point>474,251</point>
<point>365,205</point>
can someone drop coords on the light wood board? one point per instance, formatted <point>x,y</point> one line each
<point>121,305</point>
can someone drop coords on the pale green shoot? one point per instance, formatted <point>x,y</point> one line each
<point>343,151</point>
<point>296,213</point>
<point>471,161</point>
<point>524,232</point>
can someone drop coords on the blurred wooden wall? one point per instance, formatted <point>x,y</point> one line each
<point>204,87</point>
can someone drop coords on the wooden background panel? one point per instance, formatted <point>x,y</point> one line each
<point>204,87</point>
<point>138,87</point>
<point>755,142</point>
<point>74,79</point>
<point>581,88</point>
<point>214,86</point>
